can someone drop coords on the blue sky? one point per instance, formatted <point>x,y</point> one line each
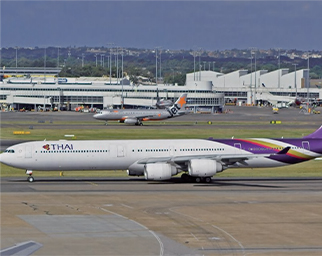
<point>210,25</point>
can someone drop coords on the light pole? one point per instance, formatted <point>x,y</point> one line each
<point>308,78</point>
<point>45,65</point>
<point>110,61</point>
<point>194,66</point>
<point>172,75</point>
<point>295,80</point>
<point>16,57</point>
<point>117,65</point>
<point>110,66</point>
<point>58,57</point>
<point>122,80</point>
<point>199,67</point>
<point>253,49</point>
<point>102,60</point>
<point>156,66</point>
<point>279,68</point>
<point>160,64</point>
<point>251,76</point>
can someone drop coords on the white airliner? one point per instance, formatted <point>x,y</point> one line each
<point>198,159</point>
<point>136,116</point>
<point>277,101</point>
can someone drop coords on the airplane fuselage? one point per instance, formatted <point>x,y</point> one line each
<point>135,154</point>
<point>123,114</point>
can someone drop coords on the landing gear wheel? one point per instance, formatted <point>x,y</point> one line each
<point>208,179</point>
<point>30,179</point>
<point>185,177</point>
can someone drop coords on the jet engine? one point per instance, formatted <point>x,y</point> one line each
<point>131,121</point>
<point>159,171</point>
<point>204,167</point>
<point>136,170</point>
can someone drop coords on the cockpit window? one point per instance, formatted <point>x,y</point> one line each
<point>9,151</point>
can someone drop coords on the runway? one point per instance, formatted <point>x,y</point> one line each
<point>134,217</point>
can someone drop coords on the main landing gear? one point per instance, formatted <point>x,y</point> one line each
<point>187,178</point>
<point>30,178</point>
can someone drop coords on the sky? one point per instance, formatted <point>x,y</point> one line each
<point>209,25</point>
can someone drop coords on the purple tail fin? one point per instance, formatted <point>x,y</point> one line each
<point>315,135</point>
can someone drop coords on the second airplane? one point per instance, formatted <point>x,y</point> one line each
<point>136,116</point>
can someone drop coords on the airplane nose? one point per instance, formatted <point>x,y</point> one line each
<point>98,116</point>
<point>2,158</point>
<point>6,159</point>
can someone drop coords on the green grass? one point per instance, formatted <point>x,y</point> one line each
<point>151,132</point>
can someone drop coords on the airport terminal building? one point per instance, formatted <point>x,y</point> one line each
<point>206,90</point>
<point>243,87</point>
<point>69,93</point>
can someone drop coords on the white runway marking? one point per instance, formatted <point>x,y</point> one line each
<point>239,243</point>
<point>127,206</point>
<point>223,231</point>
<point>144,227</point>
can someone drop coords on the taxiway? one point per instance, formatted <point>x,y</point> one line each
<point>134,217</point>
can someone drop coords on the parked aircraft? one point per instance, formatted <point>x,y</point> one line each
<point>136,116</point>
<point>285,101</point>
<point>163,103</point>
<point>274,100</point>
<point>198,159</point>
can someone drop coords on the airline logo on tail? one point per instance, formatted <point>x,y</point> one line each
<point>179,104</point>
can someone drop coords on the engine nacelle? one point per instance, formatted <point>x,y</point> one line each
<point>131,121</point>
<point>159,171</point>
<point>204,167</point>
<point>136,170</point>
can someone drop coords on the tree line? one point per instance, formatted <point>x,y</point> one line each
<point>171,67</point>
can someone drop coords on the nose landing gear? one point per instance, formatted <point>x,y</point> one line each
<point>30,178</point>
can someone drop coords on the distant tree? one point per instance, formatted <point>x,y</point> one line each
<point>316,72</point>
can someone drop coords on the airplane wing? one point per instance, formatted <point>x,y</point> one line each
<point>25,248</point>
<point>141,117</point>
<point>226,159</point>
<point>135,119</point>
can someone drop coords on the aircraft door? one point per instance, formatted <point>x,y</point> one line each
<point>171,151</point>
<point>120,151</point>
<point>306,145</point>
<point>28,152</point>
<point>237,148</point>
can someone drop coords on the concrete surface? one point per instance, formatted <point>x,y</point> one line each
<point>135,217</point>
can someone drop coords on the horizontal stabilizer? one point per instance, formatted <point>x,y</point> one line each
<point>283,151</point>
